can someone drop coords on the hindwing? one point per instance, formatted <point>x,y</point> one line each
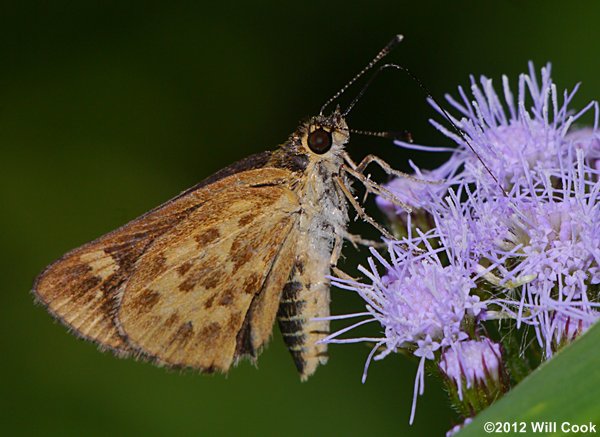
<point>206,293</point>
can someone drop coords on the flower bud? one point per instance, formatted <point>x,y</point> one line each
<point>474,374</point>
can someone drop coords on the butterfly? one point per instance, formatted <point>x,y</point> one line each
<point>199,281</point>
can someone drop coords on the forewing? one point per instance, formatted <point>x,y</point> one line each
<point>81,288</point>
<point>215,296</point>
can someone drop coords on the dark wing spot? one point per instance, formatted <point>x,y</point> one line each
<point>241,251</point>
<point>246,219</point>
<point>146,300</point>
<point>86,285</point>
<point>183,334</point>
<point>207,237</point>
<point>183,268</point>
<point>75,278</point>
<point>158,265</point>
<point>226,298</point>
<point>209,302</point>
<point>113,282</point>
<point>207,278</point>
<point>108,303</point>
<point>188,284</point>
<point>212,279</point>
<point>234,321</point>
<point>210,332</point>
<point>77,270</point>
<point>173,318</point>
<point>252,283</point>
<point>124,254</point>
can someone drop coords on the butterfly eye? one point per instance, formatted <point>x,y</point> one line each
<point>319,141</point>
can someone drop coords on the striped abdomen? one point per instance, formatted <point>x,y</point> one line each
<point>301,302</point>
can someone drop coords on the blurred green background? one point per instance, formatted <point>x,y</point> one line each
<point>108,109</point>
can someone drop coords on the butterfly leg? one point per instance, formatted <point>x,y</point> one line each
<point>342,275</point>
<point>357,240</point>
<point>375,188</point>
<point>337,250</point>
<point>364,163</point>
<point>359,209</point>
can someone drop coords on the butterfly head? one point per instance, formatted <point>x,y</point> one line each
<point>324,135</point>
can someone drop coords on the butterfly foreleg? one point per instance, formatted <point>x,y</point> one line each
<point>375,188</point>
<point>359,209</point>
<point>364,163</point>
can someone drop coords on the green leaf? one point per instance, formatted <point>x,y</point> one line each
<point>564,389</point>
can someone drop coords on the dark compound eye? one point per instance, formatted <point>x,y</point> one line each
<point>319,141</point>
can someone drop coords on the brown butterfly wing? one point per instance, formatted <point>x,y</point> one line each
<point>80,289</point>
<point>215,297</point>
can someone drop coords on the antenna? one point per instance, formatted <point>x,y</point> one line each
<point>368,84</point>
<point>428,94</point>
<point>394,135</point>
<point>382,54</point>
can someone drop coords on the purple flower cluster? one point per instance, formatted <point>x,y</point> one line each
<point>511,231</point>
<point>420,303</point>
